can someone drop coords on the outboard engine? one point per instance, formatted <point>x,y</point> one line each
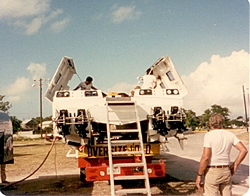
<point>158,121</point>
<point>62,122</point>
<point>81,123</point>
<point>163,122</point>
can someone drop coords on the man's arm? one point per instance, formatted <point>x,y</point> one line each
<point>78,86</point>
<point>203,165</point>
<point>94,87</point>
<point>155,82</point>
<point>242,154</point>
<point>75,88</point>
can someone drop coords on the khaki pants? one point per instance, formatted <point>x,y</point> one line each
<point>3,172</point>
<point>218,180</point>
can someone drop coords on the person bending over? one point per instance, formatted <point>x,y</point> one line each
<point>86,85</point>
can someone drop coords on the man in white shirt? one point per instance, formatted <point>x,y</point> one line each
<point>149,80</point>
<point>215,160</point>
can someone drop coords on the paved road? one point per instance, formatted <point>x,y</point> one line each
<point>183,164</point>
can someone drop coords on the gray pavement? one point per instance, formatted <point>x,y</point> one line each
<point>183,164</point>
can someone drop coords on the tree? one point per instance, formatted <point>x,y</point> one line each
<point>47,118</point>
<point>204,118</point>
<point>237,122</point>
<point>16,124</point>
<point>191,119</point>
<point>5,106</point>
<point>37,119</point>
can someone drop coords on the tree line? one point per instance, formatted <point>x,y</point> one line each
<point>192,121</point>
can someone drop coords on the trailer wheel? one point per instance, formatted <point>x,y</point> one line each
<point>82,174</point>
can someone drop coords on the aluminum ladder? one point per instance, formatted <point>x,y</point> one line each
<point>124,112</point>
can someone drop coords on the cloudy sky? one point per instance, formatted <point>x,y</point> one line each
<point>115,41</point>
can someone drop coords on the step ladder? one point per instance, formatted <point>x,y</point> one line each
<point>124,112</point>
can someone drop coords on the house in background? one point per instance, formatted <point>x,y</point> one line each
<point>46,124</point>
<point>29,125</point>
<point>31,129</point>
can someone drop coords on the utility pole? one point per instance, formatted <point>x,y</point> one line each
<point>40,80</point>
<point>41,107</point>
<point>244,99</point>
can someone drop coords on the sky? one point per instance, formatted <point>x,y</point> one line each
<point>115,41</point>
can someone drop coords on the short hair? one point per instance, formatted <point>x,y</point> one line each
<point>149,71</point>
<point>89,79</point>
<point>216,121</point>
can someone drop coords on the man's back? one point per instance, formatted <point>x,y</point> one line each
<point>215,160</point>
<point>220,141</point>
<point>149,81</point>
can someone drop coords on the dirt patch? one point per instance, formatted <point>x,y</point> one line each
<point>59,175</point>
<point>244,137</point>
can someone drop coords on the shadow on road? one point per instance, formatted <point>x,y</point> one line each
<point>50,185</point>
<point>186,169</point>
<point>242,175</point>
<point>71,185</point>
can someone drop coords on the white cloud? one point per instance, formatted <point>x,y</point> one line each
<point>37,70</point>
<point>29,15</point>
<point>24,8</point>
<point>97,16</point>
<point>58,26</point>
<point>31,27</point>
<point>121,14</point>
<point>17,92</point>
<point>19,86</point>
<point>218,82</point>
